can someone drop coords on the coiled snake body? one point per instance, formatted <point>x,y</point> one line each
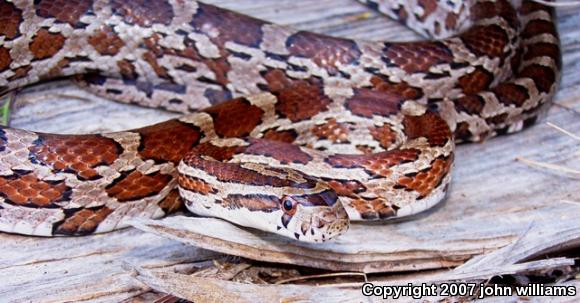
<point>316,130</point>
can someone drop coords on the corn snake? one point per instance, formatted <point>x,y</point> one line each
<point>366,119</point>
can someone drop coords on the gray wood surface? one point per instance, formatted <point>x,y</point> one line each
<point>495,201</point>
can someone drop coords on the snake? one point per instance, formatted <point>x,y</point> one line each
<point>286,131</point>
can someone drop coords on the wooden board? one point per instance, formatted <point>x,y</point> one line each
<point>495,201</point>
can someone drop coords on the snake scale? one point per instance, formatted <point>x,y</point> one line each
<point>287,131</point>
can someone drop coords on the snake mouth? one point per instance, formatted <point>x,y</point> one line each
<point>315,224</point>
<point>328,224</point>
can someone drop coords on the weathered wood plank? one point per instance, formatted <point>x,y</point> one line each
<point>86,268</point>
<point>494,200</point>
<point>214,290</point>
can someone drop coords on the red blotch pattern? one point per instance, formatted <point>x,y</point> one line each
<point>229,26</point>
<point>283,152</point>
<point>378,163</point>
<point>471,104</point>
<point>415,57</point>
<point>235,118</point>
<point>106,42</point>
<point>430,125</point>
<point>374,208</point>
<point>511,94</point>
<point>46,44</point>
<point>384,134</point>
<point>172,202</point>
<point>76,154</point>
<point>287,136</point>
<point>144,12</point>
<point>136,185</point>
<point>25,189</point>
<point>489,40</point>
<point>195,185</point>
<point>167,141</point>
<point>425,181</point>
<point>10,19</point>
<point>66,11</point>
<point>325,51</point>
<point>83,221</point>
<point>300,102</point>
<point>476,81</point>
<point>5,59</point>
<point>332,131</point>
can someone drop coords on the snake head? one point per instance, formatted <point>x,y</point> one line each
<point>278,200</point>
<point>313,217</point>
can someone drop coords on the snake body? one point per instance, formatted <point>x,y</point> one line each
<point>288,131</point>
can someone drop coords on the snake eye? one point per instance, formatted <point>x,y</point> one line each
<point>288,205</point>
